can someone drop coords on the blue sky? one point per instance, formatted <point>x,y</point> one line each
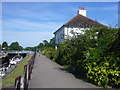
<point>30,23</point>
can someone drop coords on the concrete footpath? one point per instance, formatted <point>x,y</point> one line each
<point>48,74</point>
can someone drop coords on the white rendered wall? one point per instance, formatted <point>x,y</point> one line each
<point>59,36</point>
<point>67,33</point>
<point>71,32</point>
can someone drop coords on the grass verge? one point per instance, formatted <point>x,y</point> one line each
<point>18,71</point>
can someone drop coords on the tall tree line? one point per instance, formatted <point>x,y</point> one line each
<point>16,45</point>
<point>12,46</point>
<point>44,44</point>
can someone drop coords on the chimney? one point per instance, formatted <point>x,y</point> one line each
<point>82,11</point>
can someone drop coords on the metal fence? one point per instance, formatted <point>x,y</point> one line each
<point>22,82</point>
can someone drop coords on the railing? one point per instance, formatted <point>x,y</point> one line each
<point>22,82</point>
<point>17,83</point>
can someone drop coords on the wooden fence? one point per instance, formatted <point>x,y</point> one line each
<point>22,82</point>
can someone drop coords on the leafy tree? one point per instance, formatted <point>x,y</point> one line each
<point>31,48</point>
<point>28,48</point>
<point>15,46</point>
<point>52,42</point>
<point>40,45</point>
<point>4,45</point>
<point>20,48</point>
<point>0,47</point>
<point>45,42</point>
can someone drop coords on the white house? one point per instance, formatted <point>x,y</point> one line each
<point>75,26</point>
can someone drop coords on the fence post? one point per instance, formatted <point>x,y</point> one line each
<point>25,78</point>
<point>29,70</point>
<point>18,83</point>
<point>27,75</point>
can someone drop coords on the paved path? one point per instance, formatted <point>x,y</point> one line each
<point>48,74</point>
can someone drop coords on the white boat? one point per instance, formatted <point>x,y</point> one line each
<point>16,59</point>
<point>13,62</point>
<point>2,71</point>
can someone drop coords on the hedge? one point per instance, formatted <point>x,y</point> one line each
<point>94,54</point>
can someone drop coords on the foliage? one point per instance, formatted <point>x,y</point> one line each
<point>50,53</point>
<point>15,46</point>
<point>45,42</point>
<point>31,48</point>
<point>42,46</point>
<point>0,47</point>
<point>52,42</point>
<point>4,45</point>
<point>94,54</point>
<point>102,65</point>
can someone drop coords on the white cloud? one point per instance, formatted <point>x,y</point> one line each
<point>26,38</point>
<point>24,24</point>
<point>29,32</point>
<point>38,14</point>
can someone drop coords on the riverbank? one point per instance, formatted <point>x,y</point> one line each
<point>9,81</point>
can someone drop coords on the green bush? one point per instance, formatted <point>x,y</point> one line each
<point>94,54</point>
<point>102,65</point>
<point>50,53</point>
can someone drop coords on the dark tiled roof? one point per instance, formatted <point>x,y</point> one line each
<point>82,21</point>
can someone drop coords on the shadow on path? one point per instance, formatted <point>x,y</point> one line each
<point>76,75</point>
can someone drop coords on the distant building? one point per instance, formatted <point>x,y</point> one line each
<point>75,27</point>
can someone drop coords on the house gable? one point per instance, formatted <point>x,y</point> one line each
<point>59,35</point>
<point>76,26</point>
<point>83,22</point>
